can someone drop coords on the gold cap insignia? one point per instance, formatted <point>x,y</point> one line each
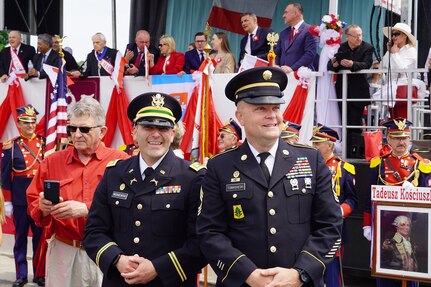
<point>29,111</point>
<point>267,75</point>
<point>401,124</point>
<point>158,101</point>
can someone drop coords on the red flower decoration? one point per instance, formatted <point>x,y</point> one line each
<point>255,38</point>
<point>218,60</point>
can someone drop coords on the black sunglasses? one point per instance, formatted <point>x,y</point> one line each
<point>396,34</point>
<point>83,130</point>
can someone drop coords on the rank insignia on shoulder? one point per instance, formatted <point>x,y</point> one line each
<point>196,166</point>
<point>112,163</point>
<point>237,212</point>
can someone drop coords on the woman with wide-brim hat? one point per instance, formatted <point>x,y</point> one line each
<point>401,54</point>
<point>401,47</point>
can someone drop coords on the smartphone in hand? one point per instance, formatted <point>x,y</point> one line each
<point>51,190</point>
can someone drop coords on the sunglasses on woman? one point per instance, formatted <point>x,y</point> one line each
<point>396,34</point>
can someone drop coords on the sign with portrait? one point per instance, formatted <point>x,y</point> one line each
<point>402,241</point>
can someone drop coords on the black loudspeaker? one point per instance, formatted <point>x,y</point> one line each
<point>355,145</point>
<point>46,12</point>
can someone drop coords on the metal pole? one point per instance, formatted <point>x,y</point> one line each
<point>333,7</point>
<point>2,14</point>
<point>344,117</point>
<point>114,24</point>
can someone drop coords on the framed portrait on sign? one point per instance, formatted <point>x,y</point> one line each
<point>402,242</point>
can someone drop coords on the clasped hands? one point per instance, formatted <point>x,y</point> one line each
<point>135,269</point>
<point>274,277</point>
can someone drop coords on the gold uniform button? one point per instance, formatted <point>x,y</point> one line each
<point>139,206</point>
<point>304,190</point>
<point>136,240</point>
<point>270,194</point>
<point>273,230</point>
<point>168,205</point>
<point>273,249</point>
<point>137,223</point>
<point>234,195</point>
<point>117,202</point>
<point>272,212</point>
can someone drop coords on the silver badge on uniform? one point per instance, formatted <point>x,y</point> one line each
<point>294,184</point>
<point>307,182</point>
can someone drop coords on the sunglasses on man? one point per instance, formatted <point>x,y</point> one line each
<point>82,130</point>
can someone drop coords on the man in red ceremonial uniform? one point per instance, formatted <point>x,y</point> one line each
<point>343,184</point>
<point>79,170</point>
<point>396,167</point>
<point>21,159</point>
<point>290,132</point>
<point>230,135</point>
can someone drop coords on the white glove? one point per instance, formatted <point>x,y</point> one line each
<point>407,184</point>
<point>8,208</point>
<point>367,232</point>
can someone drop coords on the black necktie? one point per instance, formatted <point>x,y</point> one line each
<point>148,172</point>
<point>202,56</point>
<point>263,156</point>
<point>251,41</point>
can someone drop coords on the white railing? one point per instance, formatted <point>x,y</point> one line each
<point>415,112</point>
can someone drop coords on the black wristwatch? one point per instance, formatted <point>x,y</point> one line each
<point>303,276</point>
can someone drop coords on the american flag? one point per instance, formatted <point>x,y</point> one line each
<point>57,118</point>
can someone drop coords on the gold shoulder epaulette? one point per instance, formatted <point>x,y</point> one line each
<point>112,163</point>
<point>226,151</point>
<point>122,147</point>
<point>349,167</point>
<point>7,144</point>
<point>424,164</point>
<point>197,166</point>
<point>375,161</point>
<point>301,145</point>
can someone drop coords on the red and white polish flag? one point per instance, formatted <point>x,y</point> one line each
<point>250,61</point>
<point>226,14</point>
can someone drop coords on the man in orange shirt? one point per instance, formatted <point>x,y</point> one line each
<point>79,170</point>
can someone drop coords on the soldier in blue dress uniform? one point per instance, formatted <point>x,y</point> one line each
<point>343,184</point>
<point>21,158</point>
<point>396,167</point>
<point>268,213</point>
<point>141,225</point>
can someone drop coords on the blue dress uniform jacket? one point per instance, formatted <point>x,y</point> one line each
<point>154,218</point>
<point>245,224</point>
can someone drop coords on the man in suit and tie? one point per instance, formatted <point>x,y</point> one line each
<point>254,43</point>
<point>135,55</point>
<point>296,47</point>
<point>195,57</point>
<point>101,60</point>
<point>24,52</point>
<point>268,216</point>
<point>46,56</point>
